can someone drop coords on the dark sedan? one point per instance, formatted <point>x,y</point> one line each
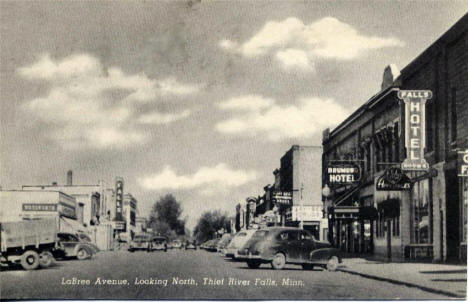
<point>281,245</point>
<point>70,245</point>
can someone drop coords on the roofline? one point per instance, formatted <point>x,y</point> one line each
<point>449,35</point>
<point>374,100</point>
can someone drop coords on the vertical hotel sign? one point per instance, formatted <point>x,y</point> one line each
<point>118,198</point>
<point>415,128</point>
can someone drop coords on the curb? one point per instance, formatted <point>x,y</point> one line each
<point>398,282</point>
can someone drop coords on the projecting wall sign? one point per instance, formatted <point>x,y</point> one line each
<point>415,128</point>
<point>343,173</point>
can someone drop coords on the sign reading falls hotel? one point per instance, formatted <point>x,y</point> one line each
<point>415,128</point>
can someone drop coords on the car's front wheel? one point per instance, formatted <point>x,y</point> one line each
<point>253,263</point>
<point>279,261</point>
<point>332,263</point>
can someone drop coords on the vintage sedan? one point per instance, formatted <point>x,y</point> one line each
<point>70,245</point>
<point>159,243</point>
<point>177,244</point>
<point>140,242</point>
<point>190,245</point>
<point>281,245</point>
<point>237,242</point>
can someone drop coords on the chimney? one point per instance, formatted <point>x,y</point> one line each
<point>69,178</point>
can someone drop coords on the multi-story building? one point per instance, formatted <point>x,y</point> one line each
<point>129,213</point>
<point>427,220</point>
<point>300,174</point>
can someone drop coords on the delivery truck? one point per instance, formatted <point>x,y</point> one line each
<point>28,242</point>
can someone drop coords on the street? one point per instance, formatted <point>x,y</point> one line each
<point>181,274</point>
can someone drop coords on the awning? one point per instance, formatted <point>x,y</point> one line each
<point>389,208</point>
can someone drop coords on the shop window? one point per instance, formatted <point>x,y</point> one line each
<point>421,226</point>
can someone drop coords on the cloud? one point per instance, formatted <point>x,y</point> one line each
<point>88,106</point>
<point>276,122</point>
<point>162,118</point>
<point>295,44</point>
<point>207,179</point>
<point>247,102</point>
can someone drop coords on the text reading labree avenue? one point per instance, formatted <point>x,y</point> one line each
<point>98,281</point>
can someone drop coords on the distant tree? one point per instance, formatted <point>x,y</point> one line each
<point>165,217</point>
<point>209,223</point>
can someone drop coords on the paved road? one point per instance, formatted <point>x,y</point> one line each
<point>180,274</point>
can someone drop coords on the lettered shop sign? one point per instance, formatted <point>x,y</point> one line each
<point>415,128</point>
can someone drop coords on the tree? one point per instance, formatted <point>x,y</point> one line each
<point>209,223</point>
<point>165,217</point>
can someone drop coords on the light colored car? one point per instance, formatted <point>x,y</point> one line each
<point>140,242</point>
<point>237,242</point>
<point>223,243</point>
<point>177,244</point>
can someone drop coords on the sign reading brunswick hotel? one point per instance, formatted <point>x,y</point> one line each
<point>343,173</point>
<point>415,128</point>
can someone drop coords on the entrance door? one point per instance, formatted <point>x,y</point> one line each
<point>453,218</point>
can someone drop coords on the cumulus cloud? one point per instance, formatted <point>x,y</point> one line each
<point>88,105</point>
<point>207,179</point>
<point>277,122</point>
<point>162,118</point>
<point>247,102</point>
<point>295,44</point>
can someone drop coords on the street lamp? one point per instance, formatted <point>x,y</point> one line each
<point>326,193</point>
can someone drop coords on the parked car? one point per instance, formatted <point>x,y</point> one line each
<point>140,242</point>
<point>281,245</point>
<point>70,245</point>
<point>177,244</point>
<point>212,245</point>
<point>191,244</point>
<point>223,242</point>
<point>159,243</point>
<point>238,242</point>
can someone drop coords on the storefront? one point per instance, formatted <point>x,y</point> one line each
<point>30,205</point>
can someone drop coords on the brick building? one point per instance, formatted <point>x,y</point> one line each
<point>429,220</point>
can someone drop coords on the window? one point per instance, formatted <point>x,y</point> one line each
<point>453,120</point>
<point>305,236</point>
<point>421,226</point>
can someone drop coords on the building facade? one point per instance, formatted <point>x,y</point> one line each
<point>427,220</point>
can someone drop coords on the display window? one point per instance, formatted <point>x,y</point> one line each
<point>421,225</point>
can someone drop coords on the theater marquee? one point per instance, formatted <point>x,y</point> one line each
<point>415,128</point>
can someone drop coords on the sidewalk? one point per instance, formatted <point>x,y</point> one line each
<point>443,279</point>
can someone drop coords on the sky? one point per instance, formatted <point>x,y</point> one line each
<point>195,98</point>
